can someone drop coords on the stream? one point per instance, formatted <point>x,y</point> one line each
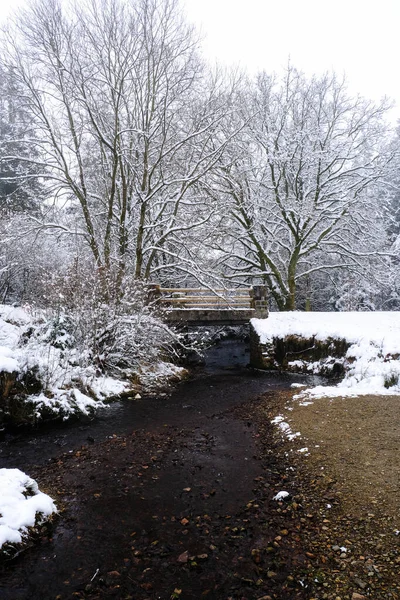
<point>223,381</point>
<point>136,472</point>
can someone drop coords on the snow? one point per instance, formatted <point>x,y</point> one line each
<point>22,505</point>
<point>281,496</point>
<point>9,334</point>
<point>377,327</point>
<point>16,315</point>
<point>65,402</point>
<point>105,387</point>
<point>160,372</point>
<point>8,362</point>
<point>285,427</point>
<point>68,388</point>
<point>372,362</point>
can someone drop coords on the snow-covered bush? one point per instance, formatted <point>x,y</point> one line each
<point>110,323</point>
<point>85,347</point>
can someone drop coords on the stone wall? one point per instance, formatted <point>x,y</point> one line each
<point>299,355</point>
<point>257,351</point>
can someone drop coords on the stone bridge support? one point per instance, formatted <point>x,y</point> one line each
<point>259,301</point>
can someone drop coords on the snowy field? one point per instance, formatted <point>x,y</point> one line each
<point>22,505</point>
<point>372,362</point>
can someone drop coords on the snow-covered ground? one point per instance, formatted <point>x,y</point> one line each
<point>22,505</point>
<point>65,382</point>
<point>25,350</point>
<point>372,362</point>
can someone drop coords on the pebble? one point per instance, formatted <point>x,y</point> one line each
<point>360,583</point>
<point>202,556</point>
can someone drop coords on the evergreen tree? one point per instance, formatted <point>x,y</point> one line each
<point>20,189</point>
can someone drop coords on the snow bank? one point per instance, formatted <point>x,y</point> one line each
<point>151,376</point>
<point>64,402</point>
<point>57,376</point>
<point>372,362</point>
<point>51,379</point>
<point>106,387</point>
<point>22,505</point>
<point>8,360</point>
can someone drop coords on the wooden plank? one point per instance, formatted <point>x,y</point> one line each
<point>210,302</point>
<point>221,305</point>
<point>215,306</point>
<point>186,290</point>
<point>189,299</point>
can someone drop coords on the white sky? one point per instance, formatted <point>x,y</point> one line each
<point>358,37</point>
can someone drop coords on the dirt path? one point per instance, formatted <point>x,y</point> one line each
<point>349,484</point>
<point>181,505</point>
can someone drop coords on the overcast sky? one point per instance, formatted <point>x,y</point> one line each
<point>358,37</point>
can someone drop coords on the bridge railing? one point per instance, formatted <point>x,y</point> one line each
<point>202,298</point>
<point>254,298</point>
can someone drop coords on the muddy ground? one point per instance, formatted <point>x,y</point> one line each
<point>181,505</point>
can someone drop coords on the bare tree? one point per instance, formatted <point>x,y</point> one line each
<point>125,122</point>
<point>300,186</point>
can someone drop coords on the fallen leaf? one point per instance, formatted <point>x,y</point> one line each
<point>184,557</point>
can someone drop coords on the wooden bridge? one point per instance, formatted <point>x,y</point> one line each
<point>202,306</point>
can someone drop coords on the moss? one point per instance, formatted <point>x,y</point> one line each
<point>391,380</point>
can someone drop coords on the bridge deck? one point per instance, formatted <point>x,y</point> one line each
<point>222,316</point>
